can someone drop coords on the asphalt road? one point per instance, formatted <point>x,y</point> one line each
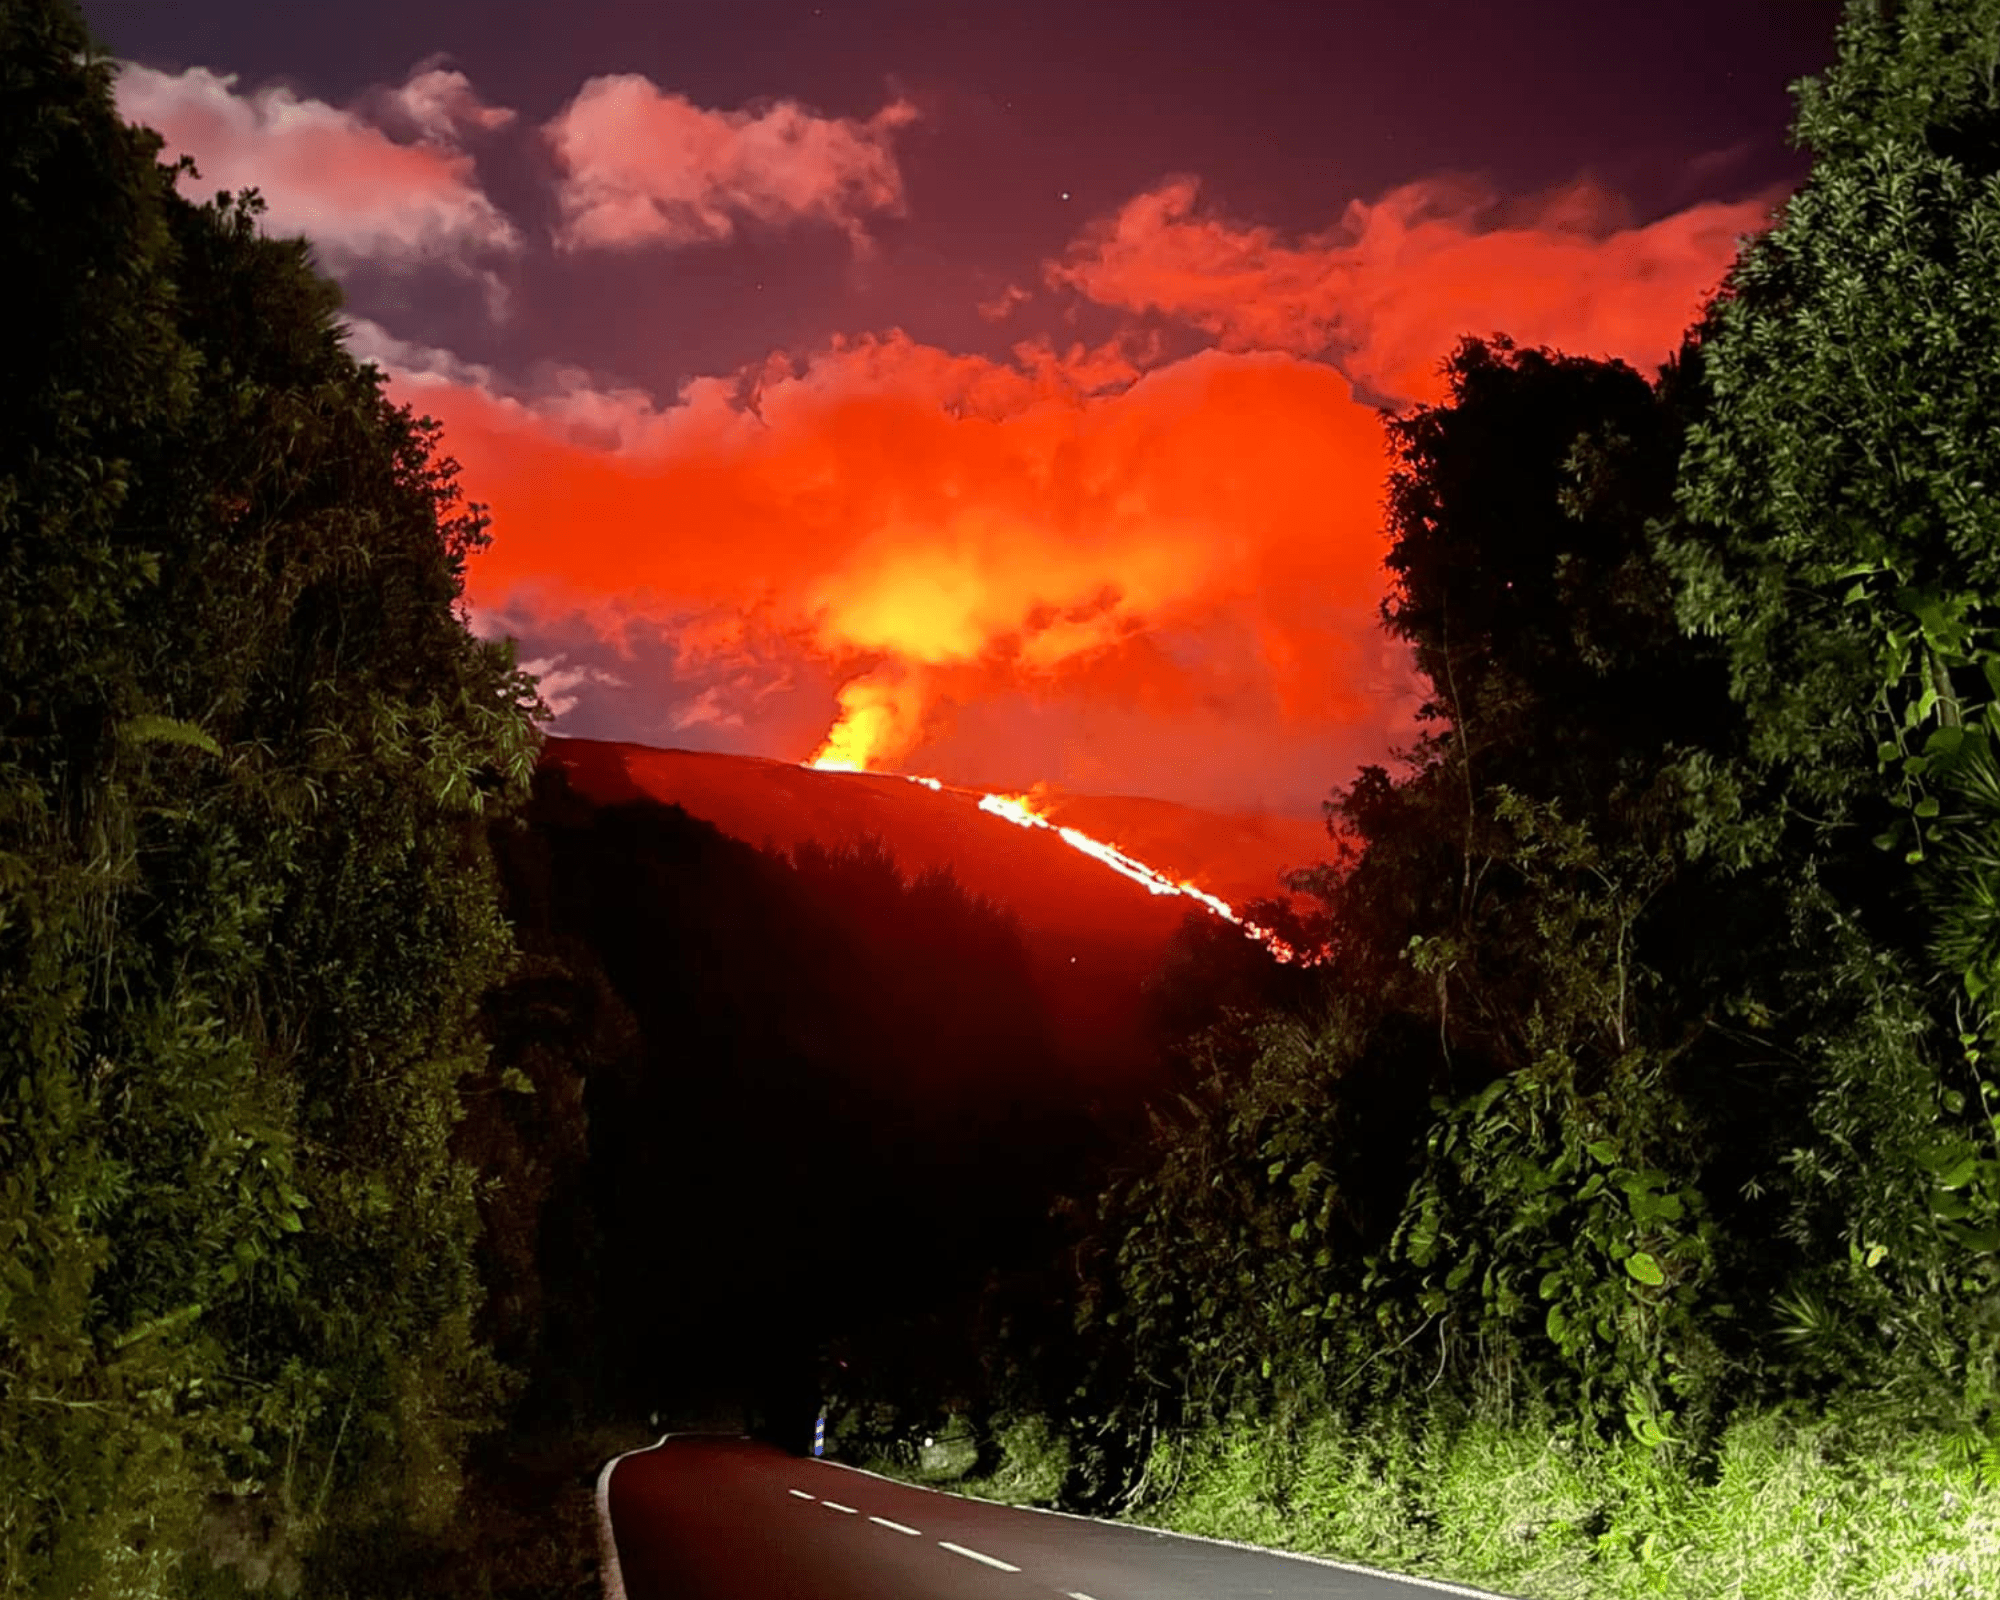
<point>705,1518</point>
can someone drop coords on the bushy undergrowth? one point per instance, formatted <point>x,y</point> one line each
<point>1785,1507</point>
<point>1020,1459</point>
<point>526,1529</point>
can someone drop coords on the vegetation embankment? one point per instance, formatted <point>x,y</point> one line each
<point>246,913</point>
<point>1621,1216</point>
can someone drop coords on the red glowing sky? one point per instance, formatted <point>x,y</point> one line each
<point>997,392</point>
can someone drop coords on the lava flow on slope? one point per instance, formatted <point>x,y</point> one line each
<point>1026,811</point>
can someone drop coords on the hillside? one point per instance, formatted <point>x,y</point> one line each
<point>1095,937</point>
<point>1052,888</point>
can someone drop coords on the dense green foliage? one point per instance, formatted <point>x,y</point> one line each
<point>247,914</point>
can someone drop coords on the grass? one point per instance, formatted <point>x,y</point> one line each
<point>1028,1461</point>
<point>1784,1509</point>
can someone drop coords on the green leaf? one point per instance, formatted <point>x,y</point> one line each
<point>1643,1267</point>
<point>152,729</point>
<point>161,1324</point>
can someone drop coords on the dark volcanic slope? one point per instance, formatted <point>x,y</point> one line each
<point>1055,891</point>
<point>1094,937</point>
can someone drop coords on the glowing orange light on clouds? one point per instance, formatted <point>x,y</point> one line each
<point>1198,541</point>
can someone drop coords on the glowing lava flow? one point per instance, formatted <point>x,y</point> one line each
<point>1019,810</point>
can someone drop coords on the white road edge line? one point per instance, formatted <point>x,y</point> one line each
<point>974,1555</point>
<point>802,1494</point>
<point>609,1572</point>
<point>915,1533</point>
<point>835,1505</point>
<point>1076,1594</point>
<point>1436,1585</point>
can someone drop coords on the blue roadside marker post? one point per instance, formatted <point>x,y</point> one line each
<point>819,1435</point>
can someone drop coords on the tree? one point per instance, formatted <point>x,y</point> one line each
<point>246,914</point>
<point>1854,357</point>
<point>1477,1154</point>
<point>1838,534</point>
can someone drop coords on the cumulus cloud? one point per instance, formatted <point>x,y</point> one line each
<point>437,104</point>
<point>1087,563</point>
<point>705,709</point>
<point>562,681</point>
<point>931,530</point>
<point>1388,289</point>
<point>642,166</point>
<point>1003,305</point>
<point>335,174</point>
<point>414,364</point>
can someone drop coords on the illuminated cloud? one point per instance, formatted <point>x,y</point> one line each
<point>437,104</point>
<point>1003,305</point>
<point>641,166</point>
<point>370,341</point>
<point>1387,291</point>
<point>562,682</point>
<point>334,174</point>
<point>935,529</point>
<point>1090,563</point>
<point>705,709</point>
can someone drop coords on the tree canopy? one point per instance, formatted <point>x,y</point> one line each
<point>246,913</point>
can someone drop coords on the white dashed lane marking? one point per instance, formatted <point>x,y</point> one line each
<point>974,1555</point>
<point>1077,1594</point>
<point>917,1533</point>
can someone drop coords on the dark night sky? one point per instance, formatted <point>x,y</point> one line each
<point>703,318</point>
